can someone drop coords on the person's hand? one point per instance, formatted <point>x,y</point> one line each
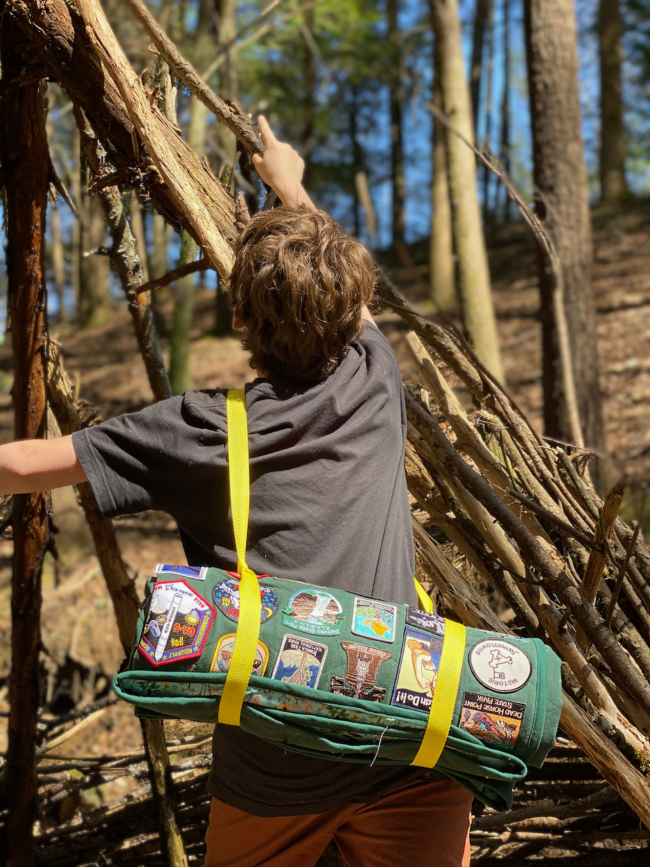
<point>281,167</point>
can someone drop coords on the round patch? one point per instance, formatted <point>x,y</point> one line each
<point>314,611</point>
<point>226,597</point>
<point>223,656</point>
<point>500,666</point>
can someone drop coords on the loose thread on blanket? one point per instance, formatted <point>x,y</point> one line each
<point>381,737</point>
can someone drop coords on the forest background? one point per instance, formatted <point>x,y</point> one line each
<point>350,83</point>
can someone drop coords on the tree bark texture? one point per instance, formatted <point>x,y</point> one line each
<point>397,144</point>
<point>26,174</point>
<point>441,248</point>
<point>613,144</point>
<point>563,205</point>
<point>469,243</point>
<point>94,306</point>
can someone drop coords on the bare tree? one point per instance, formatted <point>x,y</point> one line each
<point>482,16</point>
<point>613,144</point>
<point>471,257</point>
<point>562,203</point>
<point>25,165</point>
<point>441,252</point>
<point>396,99</point>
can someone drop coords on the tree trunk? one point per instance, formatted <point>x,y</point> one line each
<point>227,140</point>
<point>179,364</point>
<point>469,243</point>
<point>504,150</point>
<point>95,270</point>
<point>563,205</point>
<point>58,260</point>
<point>75,240</point>
<point>26,176</point>
<point>179,367</point>
<point>481,15</point>
<point>309,74</point>
<point>613,145</point>
<point>441,252</point>
<point>397,145</point>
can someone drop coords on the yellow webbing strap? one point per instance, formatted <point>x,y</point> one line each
<point>444,696</point>
<point>250,600</point>
<point>423,598</point>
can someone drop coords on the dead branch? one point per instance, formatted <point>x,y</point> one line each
<point>229,113</point>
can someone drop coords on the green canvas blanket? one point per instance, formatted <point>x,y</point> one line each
<point>343,677</point>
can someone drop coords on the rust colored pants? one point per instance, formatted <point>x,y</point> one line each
<point>417,825</point>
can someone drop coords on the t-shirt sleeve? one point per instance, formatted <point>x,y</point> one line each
<point>141,460</point>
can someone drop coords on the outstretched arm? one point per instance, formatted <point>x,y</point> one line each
<point>39,465</point>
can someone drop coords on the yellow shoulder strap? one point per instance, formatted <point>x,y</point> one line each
<point>444,696</point>
<point>250,600</point>
<point>423,598</point>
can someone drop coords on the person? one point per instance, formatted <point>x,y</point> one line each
<point>329,505</point>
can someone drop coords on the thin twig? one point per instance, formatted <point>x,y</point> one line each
<point>621,575</point>
<point>171,276</point>
<point>558,522</point>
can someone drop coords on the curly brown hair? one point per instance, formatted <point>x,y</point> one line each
<point>298,285</point>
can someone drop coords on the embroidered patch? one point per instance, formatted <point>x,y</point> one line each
<point>500,666</point>
<point>226,598</point>
<point>492,720</point>
<point>314,611</point>
<point>360,677</point>
<point>418,670</point>
<point>223,656</point>
<point>198,573</point>
<point>422,620</point>
<point>374,620</point>
<point>300,661</point>
<point>177,623</point>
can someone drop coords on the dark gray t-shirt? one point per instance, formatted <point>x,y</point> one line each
<point>328,506</point>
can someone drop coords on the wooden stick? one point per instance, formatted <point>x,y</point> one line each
<point>553,519</point>
<point>619,773</point>
<point>554,580</point>
<point>129,268</point>
<point>198,195</point>
<point>25,171</point>
<point>173,276</point>
<point>598,557</point>
<point>621,575</point>
<point>229,113</point>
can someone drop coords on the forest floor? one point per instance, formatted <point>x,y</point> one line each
<point>79,634</point>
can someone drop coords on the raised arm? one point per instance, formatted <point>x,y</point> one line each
<point>39,465</point>
<point>282,168</point>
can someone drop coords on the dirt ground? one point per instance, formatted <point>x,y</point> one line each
<point>79,636</point>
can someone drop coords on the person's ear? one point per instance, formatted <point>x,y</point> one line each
<point>237,324</point>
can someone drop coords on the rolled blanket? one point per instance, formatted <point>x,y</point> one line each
<point>347,678</point>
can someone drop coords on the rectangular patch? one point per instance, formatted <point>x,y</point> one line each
<point>496,721</point>
<point>418,670</point>
<point>359,680</point>
<point>198,573</point>
<point>375,620</point>
<point>300,661</point>
<point>422,620</point>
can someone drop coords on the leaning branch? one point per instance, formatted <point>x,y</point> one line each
<point>229,112</point>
